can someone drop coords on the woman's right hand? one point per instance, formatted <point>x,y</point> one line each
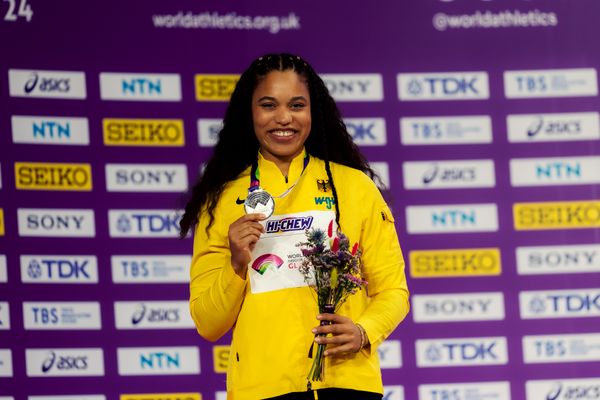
<point>243,235</point>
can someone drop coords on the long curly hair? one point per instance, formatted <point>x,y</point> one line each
<point>237,145</point>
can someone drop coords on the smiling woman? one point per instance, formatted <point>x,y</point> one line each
<point>284,148</point>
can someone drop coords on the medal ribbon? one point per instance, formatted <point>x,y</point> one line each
<point>255,177</point>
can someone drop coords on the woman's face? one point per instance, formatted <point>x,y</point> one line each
<point>281,115</point>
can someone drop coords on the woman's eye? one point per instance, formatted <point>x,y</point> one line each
<point>297,106</point>
<point>267,106</point>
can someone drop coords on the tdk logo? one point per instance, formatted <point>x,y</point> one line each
<point>560,303</point>
<point>144,223</point>
<point>50,130</point>
<point>443,86</point>
<point>288,224</point>
<point>367,131</point>
<point>144,87</point>
<point>53,84</point>
<point>354,87</point>
<point>59,269</point>
<point>152,315</point>
<point>461,352</point>
<point>158,360</point>
<point>56,222</point>
<point>64,362</point>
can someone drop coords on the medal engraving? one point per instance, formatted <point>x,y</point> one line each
<point>259,201</point>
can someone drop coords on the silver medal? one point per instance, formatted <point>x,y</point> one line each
<point>259,201</point>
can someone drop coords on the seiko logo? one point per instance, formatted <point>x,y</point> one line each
<point>288,224</point>
<point>212,87</point>
<point>143,132</point>
<point>154,314</point>
<point>456,352</point>
<point>64,362</point>
<point>47,222</point>
<point>53,176</point>
<point>556,215</point>
<point>443,86</point>
<point>354,87</point>
<point>143,223</point>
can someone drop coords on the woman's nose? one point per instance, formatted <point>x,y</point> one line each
<point>283,116</point>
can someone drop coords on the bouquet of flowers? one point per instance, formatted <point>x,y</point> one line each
<point>332,269</point>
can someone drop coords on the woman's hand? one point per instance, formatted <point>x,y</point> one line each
<point>346,336</point>
<point>243,235</point>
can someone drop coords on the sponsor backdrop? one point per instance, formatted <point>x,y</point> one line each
<point>480,116</point>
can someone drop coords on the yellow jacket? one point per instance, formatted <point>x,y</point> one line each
<point>272,330</point>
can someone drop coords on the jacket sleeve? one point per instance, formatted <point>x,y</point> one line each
<point>383,267</point>
<point>216,291</point>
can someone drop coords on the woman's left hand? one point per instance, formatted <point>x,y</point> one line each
<point>345,335</point>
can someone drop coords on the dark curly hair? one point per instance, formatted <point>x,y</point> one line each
<point>237,145</point>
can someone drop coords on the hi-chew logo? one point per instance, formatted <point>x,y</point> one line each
<point>467,129</point>
<point>146,177</point>
<point>555,171</point>
<point>208,131</point>
<point>140,87</point>
<point>553,127</point>
<point>452,218</point>
<point>143,132</point>
<point>454,307</point>
<point>152,315</point>
<point>150,269</point>
<point>448,174</point>
<point>50,84</point>
<point>367,131</point>
<point>465,391</point>
<point>50,130</point>
<point>56,222</point>
<point>214,87</point>
<point>59,269</point>
<point>455,262</point>
<point>570,303</point>
<point>144,223</point>
<point>390,354</point>
<point>354,87</point>
<point>581,347</point>
<point>563,389</point>
<point>64,362</point>
<point>556,215</point>
<point>183,360</point>
<point>53,176</point>
<point>4,316</point>
<point>61,315</point>
<point>70,397</point>
<point>161,396</point>
<point>443,86</point>
<point>288,224</point>
<point>574,82</point>
<point>542,260</point>
<point>6,369</point>
<point>3,269</point>
<point>458,352</point>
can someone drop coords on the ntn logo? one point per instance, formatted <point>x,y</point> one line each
<point>454,218</point>
<point>51,129</point>
<point>558,169</point>
<point>160,360</point>
<point>141,86</point>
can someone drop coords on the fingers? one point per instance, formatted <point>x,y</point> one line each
<point>243,235</point>
<point>341,336</point>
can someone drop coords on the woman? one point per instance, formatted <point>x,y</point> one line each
<point>282,133</point>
